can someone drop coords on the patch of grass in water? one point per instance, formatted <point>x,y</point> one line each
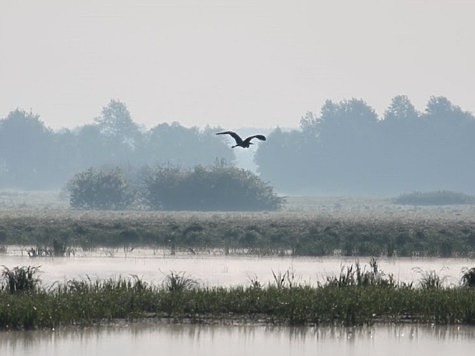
<point>405,235</point>
<point>360,297</point>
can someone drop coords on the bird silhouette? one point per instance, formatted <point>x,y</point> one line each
<point>239,141</point>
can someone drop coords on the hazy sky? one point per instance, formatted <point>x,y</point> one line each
<point>232,63</point>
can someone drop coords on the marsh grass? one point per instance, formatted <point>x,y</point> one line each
<point>430,279</point>
<point>287,279</point>
<point>355,275</point>
<point>301,234</point>
<point>20,279</point>
<point>356,301</point>
<point>178,282</point>
<point>468,277</point>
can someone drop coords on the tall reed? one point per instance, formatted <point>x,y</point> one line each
<point>357,297</point>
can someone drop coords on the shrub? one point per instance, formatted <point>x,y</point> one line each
<point>104,189</point>
<point>218,187</point>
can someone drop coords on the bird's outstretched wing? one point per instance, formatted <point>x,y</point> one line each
<point>233,134</point>
<point>260,137</point>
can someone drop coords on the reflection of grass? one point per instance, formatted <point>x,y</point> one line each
<point>373,298</point>
<point>427,232</point>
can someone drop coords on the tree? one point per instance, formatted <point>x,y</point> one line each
<point>104,189</point>
<point>115,121</point>
<point>283,160</point>
<point>401,110</point>
<point>186,147</point>
<point>449,140</point>
<point>348,142</point>
<point>347,119</point>
<point>399,140</point>
<point>122,136</point>
<point>27,153</point>
<point>309,124</point>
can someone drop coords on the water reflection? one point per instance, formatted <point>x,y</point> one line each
<point>180,339</point>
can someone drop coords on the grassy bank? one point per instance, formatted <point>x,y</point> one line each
<point>376,232</point>
<point>354,298</point>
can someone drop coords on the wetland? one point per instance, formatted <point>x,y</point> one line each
<point>307,271</point>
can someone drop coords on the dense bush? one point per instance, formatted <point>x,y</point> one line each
<point>218,187</point>
<point>434,198</point>
<point>213,188</point>
<point>103,189</point>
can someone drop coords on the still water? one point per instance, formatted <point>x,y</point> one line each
<point>220,270</point>
<point>208,340</point>
<point>160,338</point>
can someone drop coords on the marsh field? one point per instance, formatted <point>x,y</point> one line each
<point>44,241</point>
<point>305,227</point>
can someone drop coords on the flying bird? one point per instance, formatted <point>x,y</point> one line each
<point>239,141</point>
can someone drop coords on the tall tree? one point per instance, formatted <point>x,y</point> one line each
<point>281,160</point>
<point>186,147</point>
<point>401,110</point>
<point>399,140</point>
<point>27,155</point>
<point>121,134</point>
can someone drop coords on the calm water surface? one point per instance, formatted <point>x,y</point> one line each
<point>214,270</point>
<point>171,339</point>
<point>208,340</point>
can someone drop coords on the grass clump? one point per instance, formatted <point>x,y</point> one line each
<point>20,279</point>
<point>468,277</point>
<point>354,275</point>
<point>430,279</point>
<point>178,282</point>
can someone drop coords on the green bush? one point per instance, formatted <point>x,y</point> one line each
<point>214,188</point>
<point>102,189</point>
<point>434,198</point>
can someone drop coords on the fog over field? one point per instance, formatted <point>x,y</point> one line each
<point>355,98</point>
<point>237,63</point>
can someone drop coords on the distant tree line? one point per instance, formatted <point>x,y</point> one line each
<point>348,149</point>
<point>33,156</point>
